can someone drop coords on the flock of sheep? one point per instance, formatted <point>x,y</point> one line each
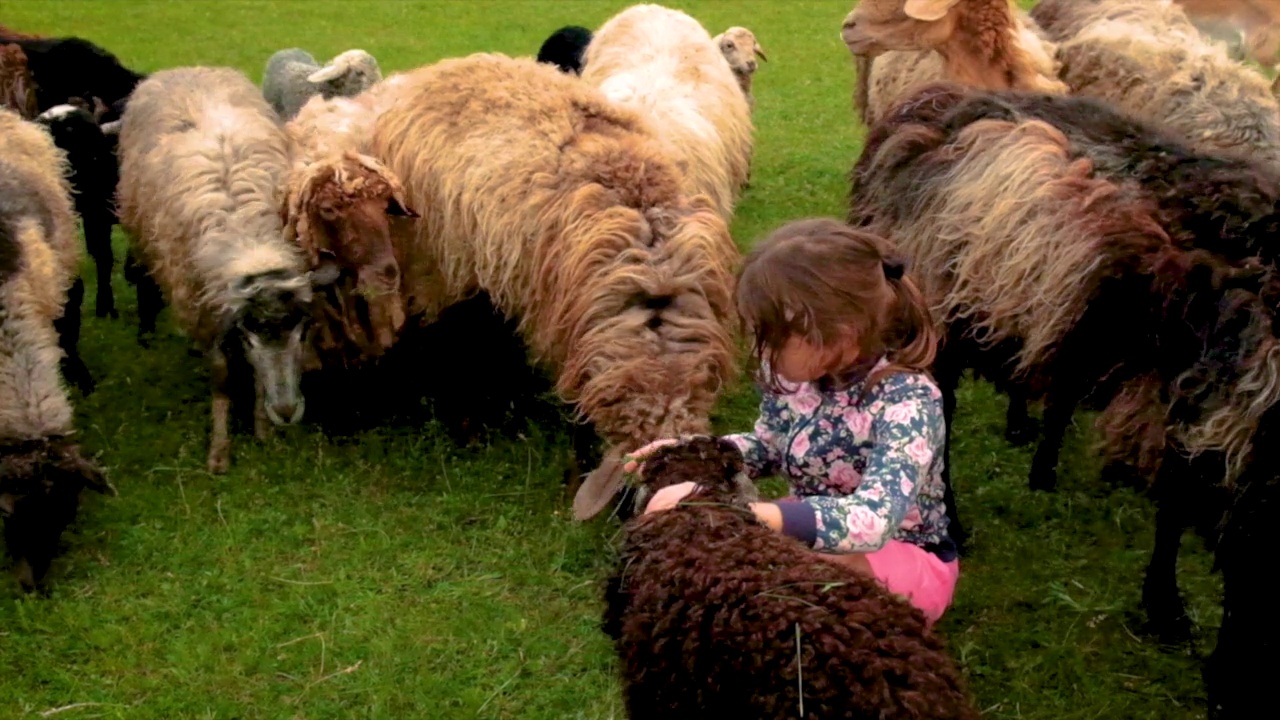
<point>1087,194</point>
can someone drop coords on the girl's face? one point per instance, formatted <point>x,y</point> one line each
<point>801,361</point>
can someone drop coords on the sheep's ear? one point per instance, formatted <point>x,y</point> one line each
<point>112,128</point>
<point>326,272</point>
<point>600,487</point>
<point>928,10</point>
<point>760,53</point>
<point>327,73</point>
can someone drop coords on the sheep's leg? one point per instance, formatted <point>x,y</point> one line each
<point>947,375</point>
<point>150,302</point>
<point>1019,428</point>
<point>1059,406</point>
<point>1166,614</point>
<point>97,239</point>
<point>68,327</point>
<point>261,423</point>
<point>1246,660</point>
<point>219,440</point>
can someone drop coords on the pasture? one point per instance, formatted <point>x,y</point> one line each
<point>392,573</point>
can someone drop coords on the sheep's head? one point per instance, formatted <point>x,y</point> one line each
<point>876,26</point>
<point>269,313</point>
<point>565,48</point>
<point>713,463</point>
<point>339,211</point>
<point>40,484</point>
<point>741,49</point>
<point>17,91</point>
<point>348,74</point>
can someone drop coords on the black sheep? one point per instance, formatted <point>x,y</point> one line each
<point>94,173</point>
<point>715,615</point>
<point>72,67</point>
<point>565,48</point>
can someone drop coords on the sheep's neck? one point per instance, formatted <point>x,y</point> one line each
<point>984,50</point>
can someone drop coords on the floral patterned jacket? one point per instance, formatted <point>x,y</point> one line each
<point>865,470</point>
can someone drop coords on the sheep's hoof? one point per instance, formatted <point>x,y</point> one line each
<point>219,460</point>
<point>1168,623</point>
<point>1022,433</point>
<point>1044,480</point>
<point>105,309</point>
<point>145,339</point>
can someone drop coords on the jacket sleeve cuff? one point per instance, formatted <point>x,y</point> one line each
<point>800,521</point>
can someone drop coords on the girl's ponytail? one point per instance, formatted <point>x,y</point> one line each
<point>914,336</point>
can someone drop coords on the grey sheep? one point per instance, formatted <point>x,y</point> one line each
<point>293,76</point>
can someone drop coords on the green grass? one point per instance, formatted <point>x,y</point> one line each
<point>395,575</point>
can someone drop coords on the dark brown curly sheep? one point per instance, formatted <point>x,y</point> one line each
<point>712,612</point>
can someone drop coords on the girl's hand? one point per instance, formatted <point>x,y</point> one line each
<point>634,462</point>
<point>668,497</point>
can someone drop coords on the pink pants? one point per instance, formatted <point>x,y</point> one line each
<point>916,574</point>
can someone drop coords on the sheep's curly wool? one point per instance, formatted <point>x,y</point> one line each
<point>712,612</point>
<point>17,91</point>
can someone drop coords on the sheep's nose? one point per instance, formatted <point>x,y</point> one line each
<point>848,21</point>
<point>285,411</point>
<point>389,271</point>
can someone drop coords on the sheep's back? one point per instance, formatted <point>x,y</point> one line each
<point>203,166</point>
<point>706,587</point>
<point>40,169</point>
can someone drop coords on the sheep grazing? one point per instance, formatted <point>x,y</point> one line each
<point>1146,58</point>
<point>564,48</point>
<point>41,470</point>
<point>663,64</point>
<point>72,67</point>
<point>900,45</point>
<point>741,49</point>
<point>94,173</point>
<point>1051,286</point>
<point>704,585</point>
<point>17,92</point>
<point>621,282</point>
<point>293,76</point>
<point>204,164</point>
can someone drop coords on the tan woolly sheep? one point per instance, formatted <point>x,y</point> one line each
<point>740,49</point>
<point>561,205</point>
<point>900,45</point>
<point>1146,58</point>
<point>339,209</point>
<point>41,470</point>
<point>203,168</point>
<point>663,64</point>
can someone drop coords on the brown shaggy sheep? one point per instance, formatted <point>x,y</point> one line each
<point>562,206</point>
<point>17,92</point>
<point>715,615</point>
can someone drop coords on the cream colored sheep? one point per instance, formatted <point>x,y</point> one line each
<point>1146,58</point>
<point>203,168</point>
<point>900,45</point>
<point>562,206</point>
<point>740,48</point>
<point>41,469</point>
<point>663,64</point>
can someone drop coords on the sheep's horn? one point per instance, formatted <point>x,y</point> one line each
<point>111,128</point>
<point>326,73</point>
<point>760,52</point>
<point>600,486</point>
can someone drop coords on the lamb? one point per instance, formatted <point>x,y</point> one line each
<point>338,210</point>
<point>72,67</point>
<point>1088,253</point>
<point>564,48</point>
<point>704,585</point>
<point>17,92</point>
<point>91,151</point>
<point>621,281</point>
<point>663,64</point>
<point>204,162</point>
<point>900,45</point>
<point>42,472</point>
<point>741,49</point>
<point>293,76</point>
<point>1149,60</point>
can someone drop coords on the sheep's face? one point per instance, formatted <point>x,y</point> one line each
<point>40,488</point>
<point>713,463</point>
<point>272,326</point>
<point>347,75</point>
<point>877,26</point>
<point>740,49</point>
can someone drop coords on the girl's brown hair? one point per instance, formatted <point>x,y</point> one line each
<point>816,278</point>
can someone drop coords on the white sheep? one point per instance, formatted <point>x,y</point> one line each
<point>204,162</point>
<point>663,64</point>
<point>740,48</point>
<point>293,76</point>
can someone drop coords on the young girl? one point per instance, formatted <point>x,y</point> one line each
<point>850,415</point>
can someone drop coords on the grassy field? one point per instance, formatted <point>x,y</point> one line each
<point>394,574</point>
